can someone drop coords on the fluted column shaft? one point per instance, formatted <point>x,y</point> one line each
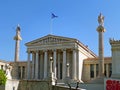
<point>17,47</point>
<point>94,70</point>
<point>55,68</point>
<point>45,64</point>
<point>28,66</point>
<point>41,66</point>
<point>64,65</point>
<point>36,65</point>
<point>79,71</point>
<point>74,65</point>
<point>33,65</point>
<point>58,65</point>
<point>101,55</point>
<point>107,70</point>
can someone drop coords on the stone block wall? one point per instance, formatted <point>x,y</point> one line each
<point>34,85</point>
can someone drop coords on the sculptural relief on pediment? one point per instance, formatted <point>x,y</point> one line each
<point>49,40</point>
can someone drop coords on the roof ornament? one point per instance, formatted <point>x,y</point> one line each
<point>101,19</point>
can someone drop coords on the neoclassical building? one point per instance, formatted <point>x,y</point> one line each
<point>84,65</point>
<point>63,50</point>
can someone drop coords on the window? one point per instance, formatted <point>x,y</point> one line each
<point>19,72</point>
<point>92,70</point>
<point>105,70</point>
<point>60,70</point>
<point>2,67</point>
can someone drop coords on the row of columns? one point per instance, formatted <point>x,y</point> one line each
<point>107,70</point>
<point>22,72</point>
<point>37,59</point>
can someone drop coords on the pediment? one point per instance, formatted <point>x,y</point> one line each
<point>50,39</point>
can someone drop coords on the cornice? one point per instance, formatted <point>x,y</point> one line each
<point>115,49</point>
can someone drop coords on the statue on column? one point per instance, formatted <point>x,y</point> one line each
<point>101,19</point>
<point>8,71</point>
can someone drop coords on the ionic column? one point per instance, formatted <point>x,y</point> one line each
<point>58,65</point>
<point>45,64</point>
<point>33,65</point>
<point>68,57</point>
<point>28,66</point>
<point>79,68</point>
<point>94,70</point>
<point>107,71</point>
<point>36,65</point>
<point>64,64</point>
<point>41,66</point>
<point>54,67</point>
<point>74,65</point>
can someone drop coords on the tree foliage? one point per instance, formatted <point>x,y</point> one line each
<point>3,77</point>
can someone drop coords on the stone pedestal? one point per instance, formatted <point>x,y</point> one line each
<point>115,47</point>
<point>12,85</point>
<point>52,78</point>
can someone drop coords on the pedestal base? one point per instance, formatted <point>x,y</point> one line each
<point>52,78</point>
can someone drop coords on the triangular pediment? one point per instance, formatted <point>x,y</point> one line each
<point>50,39</point>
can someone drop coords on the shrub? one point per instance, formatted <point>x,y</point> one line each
<point>3,77</point>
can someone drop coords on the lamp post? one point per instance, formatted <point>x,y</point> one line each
<point>51,62</point>
<point>51,75</point>
<point>68,75</point>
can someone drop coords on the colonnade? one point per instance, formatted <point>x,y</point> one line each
<point>21,72</point>
<point>39,68</point>
<point>107,70</point>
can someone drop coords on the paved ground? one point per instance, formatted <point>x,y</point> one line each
<point>92,86</point>
<point>89,86</point>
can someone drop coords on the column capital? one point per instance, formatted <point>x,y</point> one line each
<point>28,51</point>
<point>54,49</point>
<point>32,52</point>
<point>64,49</point>
<point>76,49</point>
<point>36,51</point>
<point>45,50</point>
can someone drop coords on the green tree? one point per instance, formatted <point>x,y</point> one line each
<point>3,77</point>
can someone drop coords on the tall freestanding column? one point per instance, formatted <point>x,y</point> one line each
<point>101,31</point>
<point>17,38</point>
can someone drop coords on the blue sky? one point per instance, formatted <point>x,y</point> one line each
<point>76,19</point>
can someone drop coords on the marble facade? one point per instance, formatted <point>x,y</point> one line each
<point>63,50</point>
